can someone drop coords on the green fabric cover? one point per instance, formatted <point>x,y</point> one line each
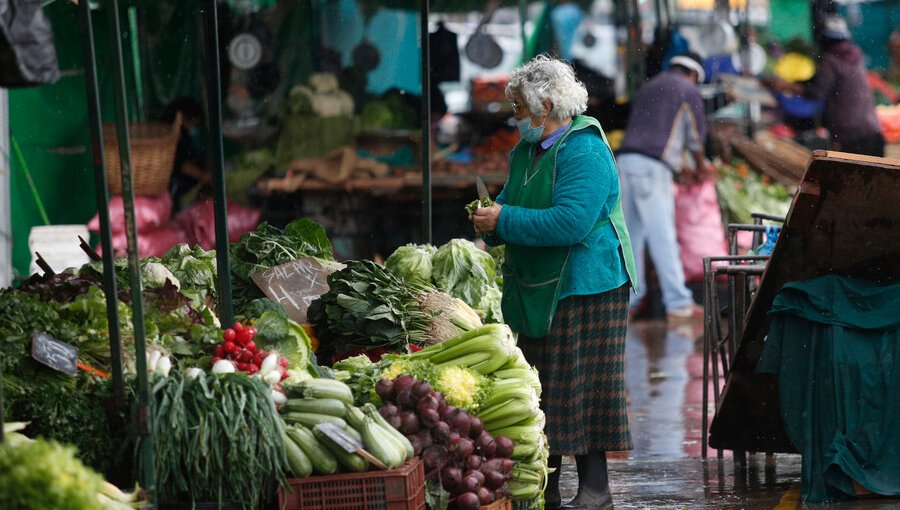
<point>834,343</point>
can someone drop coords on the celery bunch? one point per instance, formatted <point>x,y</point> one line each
<point>511,405</point>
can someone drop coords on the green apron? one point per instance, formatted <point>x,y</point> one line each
<point>533,276</point>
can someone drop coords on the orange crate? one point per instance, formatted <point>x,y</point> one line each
<point>500,504</point>
<point>402,488</point>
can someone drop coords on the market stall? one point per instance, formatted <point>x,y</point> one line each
<point>838,228</point>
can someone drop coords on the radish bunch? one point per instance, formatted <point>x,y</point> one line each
<point>471,464</point>
<point>239,348</point>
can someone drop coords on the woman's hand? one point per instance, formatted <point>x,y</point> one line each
<point>485,219</point>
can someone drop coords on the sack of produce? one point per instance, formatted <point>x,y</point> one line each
<point>149,213</point>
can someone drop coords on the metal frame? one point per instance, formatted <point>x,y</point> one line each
<point>720,342</point>
<point>146,469</point>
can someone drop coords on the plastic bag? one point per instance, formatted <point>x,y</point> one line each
<point>27,51</point>
<point>151,242</point>
<point>698,223</point>
<point>150,213</point>
<point>199,221</point>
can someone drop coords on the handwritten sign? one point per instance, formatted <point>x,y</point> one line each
<point>54,353</point>
<point>295,285</point>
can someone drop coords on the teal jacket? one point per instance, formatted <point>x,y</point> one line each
<point>587,187</point>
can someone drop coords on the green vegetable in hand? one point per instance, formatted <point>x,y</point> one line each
<point>474,205</point>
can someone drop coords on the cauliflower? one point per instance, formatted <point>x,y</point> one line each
<point>156,274</point>
<point>324,83</point>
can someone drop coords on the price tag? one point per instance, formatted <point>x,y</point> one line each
<point>295,285</point>
<point>54,353</point>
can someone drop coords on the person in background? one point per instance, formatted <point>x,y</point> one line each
<point>190,168</point>
<point>666,119</point>
<point>841,81</point>
<point>894,56</point>
<point>567,272</point>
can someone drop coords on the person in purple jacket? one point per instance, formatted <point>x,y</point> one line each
<point>842,83</point>
<point>666,119</point>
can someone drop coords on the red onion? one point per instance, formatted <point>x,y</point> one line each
<point>385,389</point>
<point>485,497</point>
<point>450,478</point>
<point>421,389</point>
<point>505,446</point>
<point>468,501</point>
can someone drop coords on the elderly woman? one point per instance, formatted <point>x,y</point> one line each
<point>567,272</point>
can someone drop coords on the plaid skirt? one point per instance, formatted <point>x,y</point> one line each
<point>582,371</point>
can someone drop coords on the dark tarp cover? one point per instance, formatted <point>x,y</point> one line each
<point>835,345</point>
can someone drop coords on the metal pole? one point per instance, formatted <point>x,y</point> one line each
<point>426,122</point>
<point>214,106</point>
<point>100,188</point>
<point>146,473</point>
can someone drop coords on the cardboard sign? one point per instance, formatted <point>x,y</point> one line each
<point>294,284</point>
<point>54,353</point>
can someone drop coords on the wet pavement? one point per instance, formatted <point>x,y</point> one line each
<point>664,377</point>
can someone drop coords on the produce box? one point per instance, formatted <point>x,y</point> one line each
<point>402,488</point>
<point>500,504</point>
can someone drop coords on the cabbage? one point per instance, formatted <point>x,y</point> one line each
<point>468,273</point>
<point>412,262</point>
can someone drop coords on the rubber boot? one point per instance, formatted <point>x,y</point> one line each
<point>593,483</point>
<point>552,497</point>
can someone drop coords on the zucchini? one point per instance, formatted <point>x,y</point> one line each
<point>350,461</point>
<point>379,443</point>
<point>312,419</point>
<point>329,406</point>
<point>354,433</point>
<point>298,462</point>
<point>320,388</point>
<point>323,462</point>
<point>372,412</point>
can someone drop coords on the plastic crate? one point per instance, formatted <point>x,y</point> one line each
<point>402,488</point>
<point>500,504</point>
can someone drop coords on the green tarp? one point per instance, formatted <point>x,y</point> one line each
<point>834,343</point>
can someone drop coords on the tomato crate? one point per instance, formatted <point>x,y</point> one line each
<point>402,488</point>
<point>500,504</point>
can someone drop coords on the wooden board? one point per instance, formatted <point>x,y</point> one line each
<point>844,220</point>
<point>294,284</point>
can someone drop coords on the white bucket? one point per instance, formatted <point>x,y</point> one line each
<point>59,246</point>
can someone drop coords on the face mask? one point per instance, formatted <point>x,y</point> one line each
<point>529,133</point>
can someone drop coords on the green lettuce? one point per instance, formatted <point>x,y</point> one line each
<point>412,262</point>
<point>468,273</point>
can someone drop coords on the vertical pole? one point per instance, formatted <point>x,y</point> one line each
<point>2,414</point>
<point>146,474</point>
<point>214,106</point>
<point>100,188</point>
<point>523,18</point>
<point>426,122</point>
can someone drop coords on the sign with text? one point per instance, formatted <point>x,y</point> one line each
<point>294,284</point>
<point>54,353</point>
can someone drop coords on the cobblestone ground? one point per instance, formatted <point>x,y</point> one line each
<point>665,385</point>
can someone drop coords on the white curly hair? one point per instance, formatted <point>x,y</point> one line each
<point>544,77</point>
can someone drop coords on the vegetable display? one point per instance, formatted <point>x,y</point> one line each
<point>41,474</point>
<point>458,268</point>
<point>368,307</point>
<point>315,403</point>
<point>742,191</point>
<point>269,246</point>
<point>218,438</point>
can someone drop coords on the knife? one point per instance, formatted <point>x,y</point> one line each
<point>482,189</point>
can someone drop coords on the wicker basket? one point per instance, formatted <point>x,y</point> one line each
<point>153,147</point>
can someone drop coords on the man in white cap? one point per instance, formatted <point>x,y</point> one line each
<point>667,119</point>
